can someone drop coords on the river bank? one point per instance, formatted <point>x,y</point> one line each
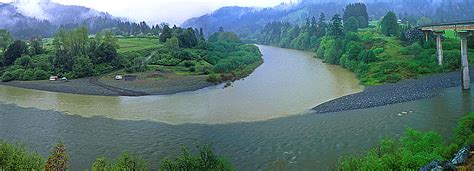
<point>392,93</point>
<point>97,86</point>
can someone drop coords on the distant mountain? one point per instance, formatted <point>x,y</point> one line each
<point>246,21</point>
<point>42,18</point>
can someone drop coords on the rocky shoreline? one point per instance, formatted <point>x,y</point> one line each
<point>403,91</point>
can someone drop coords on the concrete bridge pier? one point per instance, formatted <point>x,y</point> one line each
<point>466,80</point>
<point>439,46</point>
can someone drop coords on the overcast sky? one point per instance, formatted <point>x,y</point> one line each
<point>157,11</point>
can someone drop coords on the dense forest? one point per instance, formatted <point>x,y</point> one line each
<point>76,54</point>
<point>385,51</point>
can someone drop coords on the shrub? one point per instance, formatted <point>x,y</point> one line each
<point>59,158</point>
<point>205,159</point>
<point>16,157</point>
<point>379,50</point>
<point>128,161</point>
<point>213,78</point>
<point>413,150</point>
<point>8,76</point>
<point>83,67</point>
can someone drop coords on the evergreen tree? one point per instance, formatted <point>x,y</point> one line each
<point>322,25</point>
<point>359,11</point>
<point>336,29</point>
<point>389,25</point>
<point>165,34</point>
<point>5,39</point>
<point>351,24</point>
<point>15,51</point>
<point>36,46</point>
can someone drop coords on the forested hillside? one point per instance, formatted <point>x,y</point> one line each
<point>385,51</point>
<point>51,17</point>
<point>245,21</point>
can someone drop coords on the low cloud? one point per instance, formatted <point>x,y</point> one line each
<point>32,8</point>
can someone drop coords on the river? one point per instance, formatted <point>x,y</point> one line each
<point>259,121</point>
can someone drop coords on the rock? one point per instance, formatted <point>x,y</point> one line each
<point>461,156</point>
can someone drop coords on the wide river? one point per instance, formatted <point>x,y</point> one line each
<point>259,121</point>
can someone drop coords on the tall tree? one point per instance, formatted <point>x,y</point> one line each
<point>359,11</point>
<point>351,24</point>
<point>5,39</point>
<point>336,29</point>
<point>166,33</point>
<point>322,25</point>
<point>389,24</point>
<point>36,46</point>
<point>15,51</point>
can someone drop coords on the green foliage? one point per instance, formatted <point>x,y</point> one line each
<point>5,39</point>
<point>138,63</point>
<point>389,24</point>
<point>128,161</point>
<point>59,159</point>
<point>413,150</point>
<point>351,24</point>
<point>172,43</point>
<point>83,67</point>
<point>204,160</point>
<point>24,61</point>
<point>36,46</point>
<point>359,12</point>
<point>165,34</point>
<point>125,161</point>
<point>15,51</point>
<point>335,28</point>
<point>16,157</point>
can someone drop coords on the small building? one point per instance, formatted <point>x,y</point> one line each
<point>53,78</point>
<point>118,77</point>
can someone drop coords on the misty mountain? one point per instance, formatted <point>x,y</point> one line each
<point>43,18</point>
<point>250,20</point>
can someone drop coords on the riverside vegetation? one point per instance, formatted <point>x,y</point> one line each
<point>384,51</point>
<point>412,150</point>
<point>76,54</point>
<point>17,157</point>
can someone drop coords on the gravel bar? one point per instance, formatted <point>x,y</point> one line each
<point>391,93</point>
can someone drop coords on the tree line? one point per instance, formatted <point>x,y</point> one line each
<point>388,51</point>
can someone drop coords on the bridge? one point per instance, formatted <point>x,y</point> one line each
<point>463,30</point>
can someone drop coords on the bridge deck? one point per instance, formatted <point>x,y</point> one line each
<point>456,26</point>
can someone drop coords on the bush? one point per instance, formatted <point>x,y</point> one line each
<point>16,157</point>
<point>83,67</point>
<point>8,76</point>
<point>59,158</point>
<point>379,50</point>
<point>213,78</point>
<point>205,159</point>
<point>128,161</point>
<point>413,150</point>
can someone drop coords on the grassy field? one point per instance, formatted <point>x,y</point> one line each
<point>135,44</point>
<point>126,44</point>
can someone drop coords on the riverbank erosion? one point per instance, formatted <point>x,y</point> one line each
<point>392,93</point>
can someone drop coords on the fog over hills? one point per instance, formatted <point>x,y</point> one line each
<point>249,20</point>
<point>25,19</point>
